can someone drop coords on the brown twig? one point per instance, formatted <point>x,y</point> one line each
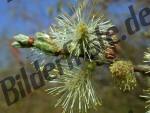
<point>143,69</point>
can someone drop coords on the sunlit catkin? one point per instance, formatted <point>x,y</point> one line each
<point>76,92</point>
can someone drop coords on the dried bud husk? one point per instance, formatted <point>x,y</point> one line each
<point>21,41</point>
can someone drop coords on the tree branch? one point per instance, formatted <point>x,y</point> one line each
<point>143,69</point>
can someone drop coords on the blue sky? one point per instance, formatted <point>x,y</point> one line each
<point>22,16</point>
<point>11,15</point>
<point>36,12</point>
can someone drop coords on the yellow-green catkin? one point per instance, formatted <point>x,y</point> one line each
<point>123,75</point>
